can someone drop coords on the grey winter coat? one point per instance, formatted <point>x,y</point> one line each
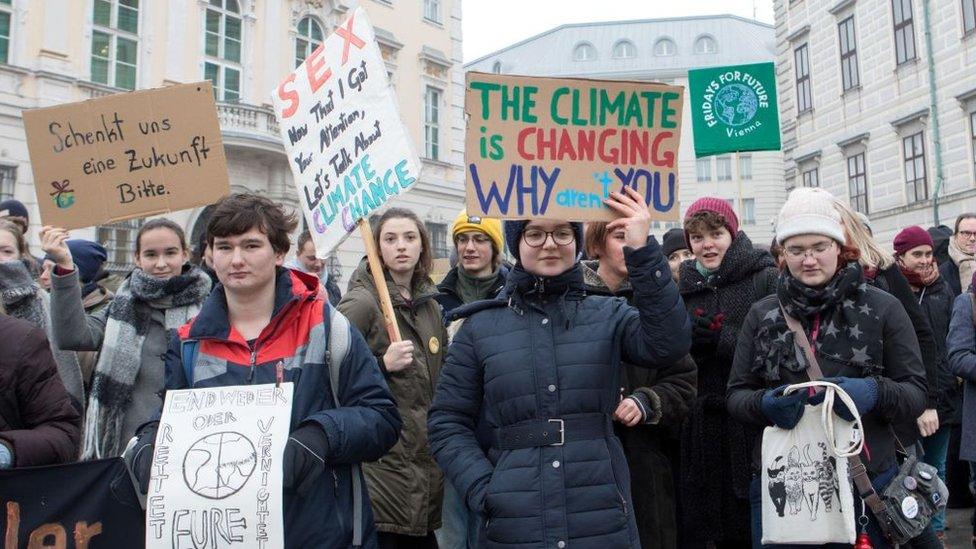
<point>961,346</point>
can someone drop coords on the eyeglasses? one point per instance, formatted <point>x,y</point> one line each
<point>536,238</point>
<point>967,235</point>
<point>478,238</point>
<point>817,250</point>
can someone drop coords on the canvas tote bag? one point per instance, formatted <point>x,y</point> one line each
<point>806,491</point>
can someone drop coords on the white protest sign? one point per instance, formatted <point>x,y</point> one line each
<point>216,472</point>
<point>348,148</point>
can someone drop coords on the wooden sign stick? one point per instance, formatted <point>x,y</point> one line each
<point>376,268</point>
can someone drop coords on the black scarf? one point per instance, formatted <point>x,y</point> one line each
<point>849,329</point>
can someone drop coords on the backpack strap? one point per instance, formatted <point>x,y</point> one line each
<point>339,338</point>
<point>188,354</point>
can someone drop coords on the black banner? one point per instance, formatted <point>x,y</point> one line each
<point>88,505</point>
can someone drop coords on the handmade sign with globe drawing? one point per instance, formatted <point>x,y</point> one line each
<point>216,471</point>
<point>734,109</point>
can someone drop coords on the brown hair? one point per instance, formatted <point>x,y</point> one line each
<point>238,213</point>
<point>426,262</point>
<point>303,239</point>
<point>968,215</point>
<point>594,238</point>
<point>161,223</point>
<point>705,221</point>
<point>15,229</point>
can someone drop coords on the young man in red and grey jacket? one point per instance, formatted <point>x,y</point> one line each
<point>259,316</point>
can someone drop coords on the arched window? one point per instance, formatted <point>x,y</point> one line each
<point>115,42</point>
<point>497,67</point>
<point>584,52</point>
<point>222,46</point>
<point>310,36</point>
<point>665,47</point>
<point>706,44</point>
<point>624,49</point>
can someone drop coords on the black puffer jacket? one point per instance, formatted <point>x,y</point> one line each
<point>448,296</point>
<point>715,464</point>
<point>936,303</point>
<point>652,447</point>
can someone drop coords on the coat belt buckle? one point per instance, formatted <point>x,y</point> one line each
<point>562,432</point>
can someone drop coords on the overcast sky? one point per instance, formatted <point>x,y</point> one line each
<point>489,25</point>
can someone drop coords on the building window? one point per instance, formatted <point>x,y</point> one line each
<point>811,178</point>
<point>706,44</point>
<point>222,46</point>
<point>749,211</point>
<point>115,42</point>
<point>972,135</point>
<point>703,168</point>
<point>723,168</point>
<point>432,10</point>
<point>968,16</point>
<point>119,240</point>
<point>804,97</point>
<point>438,239</point>
<point>432,101</point>
<point>916,186</point>
<point>625,49</point>
<point>310,36</point>
<point>665,47</point>
<point>745,167</point>
<point>904,31</point>
<point>8,180</point>
<point>497,67</point>
<point>857,182</point>
<point>6,14</point>
<point>849,74</point>
<point>584,52</point>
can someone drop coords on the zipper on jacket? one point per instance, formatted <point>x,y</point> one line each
<point>254,358</point>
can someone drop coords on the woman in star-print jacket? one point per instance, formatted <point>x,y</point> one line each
<point>863,339</point>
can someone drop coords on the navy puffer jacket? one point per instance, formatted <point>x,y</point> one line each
<point>543,351</point>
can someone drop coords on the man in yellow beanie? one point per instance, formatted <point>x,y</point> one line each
<point>479,274</point>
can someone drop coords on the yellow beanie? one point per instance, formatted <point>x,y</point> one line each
<point>488,225</point>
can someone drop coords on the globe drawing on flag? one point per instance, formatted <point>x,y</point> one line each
<point>736,104</point>
<point>219,464</point>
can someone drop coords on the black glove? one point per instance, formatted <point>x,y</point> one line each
<point>704,336</point>
<point>304,459</point>
<point>139,457</point>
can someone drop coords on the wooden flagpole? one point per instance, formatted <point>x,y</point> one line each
<point>376,268</point>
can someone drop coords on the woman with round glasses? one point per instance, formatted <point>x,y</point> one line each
<point>522,420</point>
<point>862,337</point>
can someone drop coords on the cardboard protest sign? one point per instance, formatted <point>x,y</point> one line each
<point>90,504</point>
<point>127,155</point>
<point>349,150</point>
<point>734,109</point>
<point>217,471</point>
<point>556,147</point>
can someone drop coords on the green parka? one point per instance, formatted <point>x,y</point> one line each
<point>405,485</point>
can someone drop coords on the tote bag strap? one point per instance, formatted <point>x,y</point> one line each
<point>858,471</point>
<point>831,392</point>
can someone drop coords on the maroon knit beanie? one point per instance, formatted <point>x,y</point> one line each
<point>912,237</point>
<point>714,205</point>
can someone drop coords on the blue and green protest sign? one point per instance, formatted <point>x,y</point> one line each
<point>734,109</point>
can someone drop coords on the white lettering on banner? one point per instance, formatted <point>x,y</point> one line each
<point>350,151</point>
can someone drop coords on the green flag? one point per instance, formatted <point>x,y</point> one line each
<point>734,109</point>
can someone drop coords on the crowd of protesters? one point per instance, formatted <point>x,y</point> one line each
<point>562,385</point>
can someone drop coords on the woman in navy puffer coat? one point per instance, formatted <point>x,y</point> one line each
<point>536,370</point>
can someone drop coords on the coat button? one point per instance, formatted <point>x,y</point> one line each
<point>552,388</point>
<point>561,544</point>
<point>545,321</point>
<point>657,273</point>
<point>555,464</point>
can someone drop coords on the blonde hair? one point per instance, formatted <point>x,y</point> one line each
<point>858,236</point>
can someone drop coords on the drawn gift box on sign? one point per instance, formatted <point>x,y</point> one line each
<point>127,155</point>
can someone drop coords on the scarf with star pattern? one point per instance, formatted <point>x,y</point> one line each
<point>849,329</point>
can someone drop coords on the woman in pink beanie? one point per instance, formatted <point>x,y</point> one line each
<point>913,251</point>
